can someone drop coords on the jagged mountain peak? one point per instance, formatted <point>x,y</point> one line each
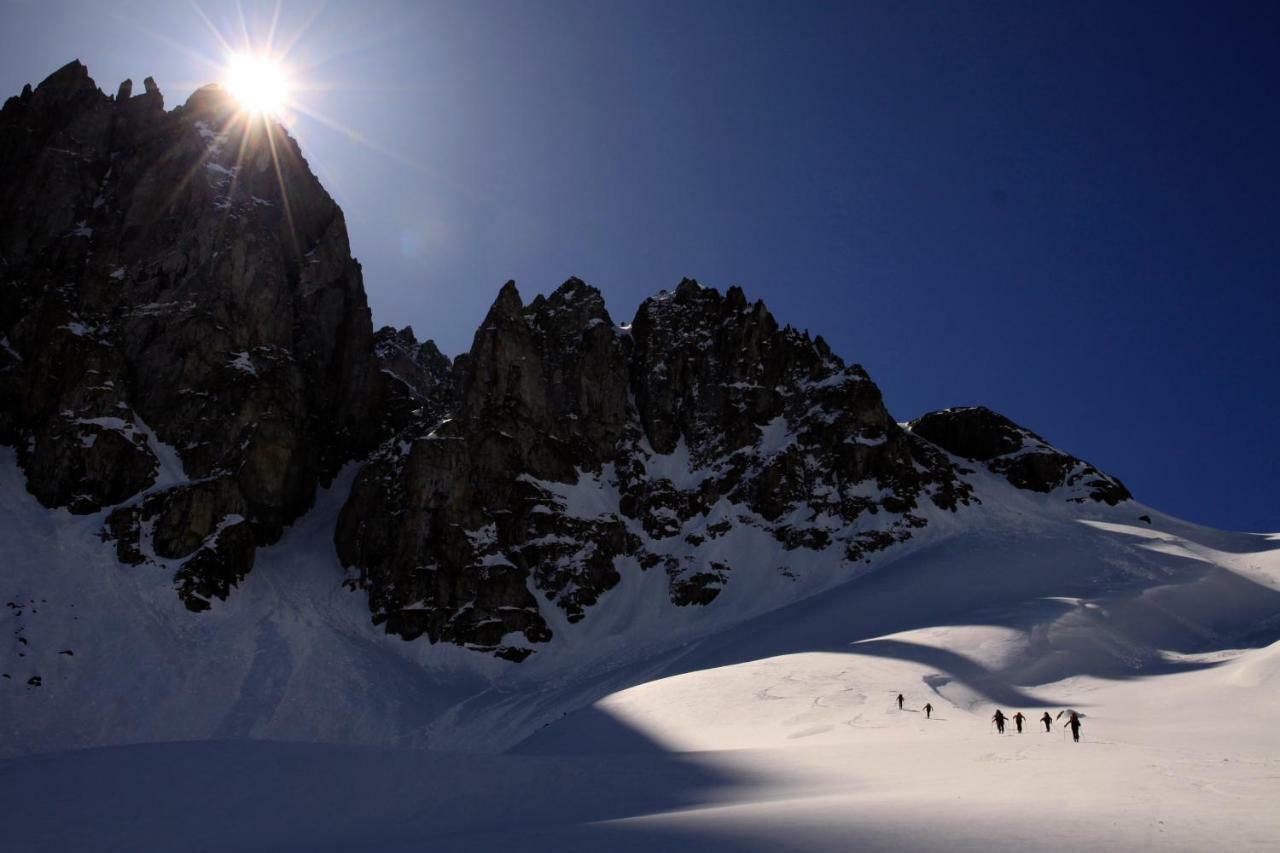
<point>73,75</point>
<point>569,308</point>
<point>572,305</point>
<point>708,425</point>
<point>405,341</point>
<point>186,333</point>
<point>186,348</point>
<point>574,455</point>
<point>70,89</point>
<point>508,303</point>
<point>420,374</point>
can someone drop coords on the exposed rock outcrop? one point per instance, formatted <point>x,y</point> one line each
<point>577,449</point>
<point>183,332</point>
<point>417,378</point>
<point>1025,459</point>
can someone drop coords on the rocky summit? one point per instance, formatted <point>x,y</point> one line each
<point>185,337</point>
<point>577,449</point>
<point>1025,459</point>
<point>186,349</point>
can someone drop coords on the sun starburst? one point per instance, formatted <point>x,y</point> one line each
<point>259,83</point>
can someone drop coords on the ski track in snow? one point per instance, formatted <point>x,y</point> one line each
<point>283,720</point>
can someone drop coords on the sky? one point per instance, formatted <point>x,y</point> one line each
<point>1069,213</point>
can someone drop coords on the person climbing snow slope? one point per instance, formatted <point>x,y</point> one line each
<point>1074,722</point>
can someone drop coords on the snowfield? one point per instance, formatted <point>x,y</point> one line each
<point>282,720</point>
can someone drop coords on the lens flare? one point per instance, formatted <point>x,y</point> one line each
<point>258,83</point>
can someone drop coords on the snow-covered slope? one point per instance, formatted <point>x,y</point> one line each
<point>768,731</point>
<point>1022,590</point>
<point>657,580</point>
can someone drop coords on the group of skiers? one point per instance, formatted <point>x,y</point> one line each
<point>1073,719</point>
<point>1073,722</point>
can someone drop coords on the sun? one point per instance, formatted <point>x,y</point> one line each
<point>259,83</point>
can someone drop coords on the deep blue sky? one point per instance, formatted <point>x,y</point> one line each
<point>1069,213</point>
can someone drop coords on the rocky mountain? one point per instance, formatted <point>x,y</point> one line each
<point>1025,459</point>
<point>186,349</point>
<point>184,335</point>
<point>577,449</point>
<point>416,376</point>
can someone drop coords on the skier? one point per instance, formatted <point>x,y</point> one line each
<point>1074,722</point>
<point>899,701</point>
<point>999,718</point>
<point>928,711</point>
<point>1048,722</point>
<point>1017,721</point>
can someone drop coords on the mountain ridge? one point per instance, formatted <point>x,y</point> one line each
<point>187,346</point>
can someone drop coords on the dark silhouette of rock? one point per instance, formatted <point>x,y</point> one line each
<point>417,378</point>
<point>1024,458</point>
<point>183,331</point>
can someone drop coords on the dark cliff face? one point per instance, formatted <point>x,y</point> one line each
<point>185,346</point>
<point>576,449</point>
<point>1019,455</point>
<point>185,334</point>
<point>415,379</point>
<point>541,394</point>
